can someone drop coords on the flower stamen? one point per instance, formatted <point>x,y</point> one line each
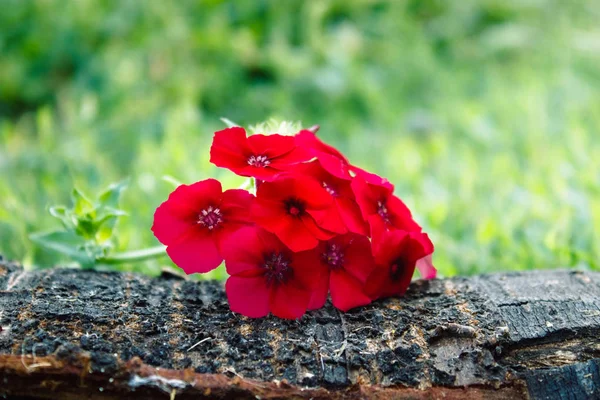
<point>278,269</point>
<point>383,212</point>
<point>210,218</point>
<point>295,207</point>
<point>333,257</point>
<point>329,189</point>
<point>258,161</point>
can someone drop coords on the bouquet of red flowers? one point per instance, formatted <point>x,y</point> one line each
<point>316,225</point>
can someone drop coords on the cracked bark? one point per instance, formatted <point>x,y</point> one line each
<point>79,334</point>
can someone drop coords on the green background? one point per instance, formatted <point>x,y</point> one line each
<point>483,113</point>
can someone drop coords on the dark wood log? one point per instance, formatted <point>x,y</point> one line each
<point>71,334</point>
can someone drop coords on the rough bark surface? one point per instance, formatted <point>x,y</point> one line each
<point>77,334</point>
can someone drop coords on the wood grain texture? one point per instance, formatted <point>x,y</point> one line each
<point>80,334</point>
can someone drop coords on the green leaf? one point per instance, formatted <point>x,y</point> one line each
<point>86,227</point>
<point>81,204</point>
<point>276,126</point>
<point>105,232</point>
<point>65,216</point>
<point>173,181</point>
<point>110,197</point>
<point>67,243</point>
<point>229,123</point>
<point>105,223</point>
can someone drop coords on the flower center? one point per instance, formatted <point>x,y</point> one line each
<point>333,257</point>
<point>210,218</point>
<point>258,161</point>
<point>396,269</point>
<point>295,207</point>
<point>330,189</point>
<point>383,211</point>
<point>278,269</point>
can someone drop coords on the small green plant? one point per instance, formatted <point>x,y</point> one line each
<point>88,236</point>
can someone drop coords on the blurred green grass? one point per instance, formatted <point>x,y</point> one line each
<point>484,113</point>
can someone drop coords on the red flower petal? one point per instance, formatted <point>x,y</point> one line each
<point>401,217</point>
<point>309,140</point>
<point>319,294</point>
<point>426,268</point>
<point>271,145</point>
<point>377,283</point>
<point>248,296</point>
<point>334,165</point>
<point>288,301</point>
<point>230,148</point>
<point>243,252</point>
<point>298,237</point>
<point>238,200</point>
<point>195,252</point>
<point>328,219</point>
<point>308,269</point>
<point>359,261</point>
<point>346,291</point>
<point>329,157</point>
<point>170,223</point>
<point>371,178</point>
<point>187,200</point>
<point>269,214</point>
<point>351,215</point>
<point>367,196</point>
<point>311,192</point>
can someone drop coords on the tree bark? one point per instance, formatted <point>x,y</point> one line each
<point>71,334</point>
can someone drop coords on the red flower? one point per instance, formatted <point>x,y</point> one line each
<point>195,221</point>
<point>377,203</point>
<point>333,161</point>
<point>345,264</point>
<point>265,276</point>
<point>259,156</point>
<point>396,256</point>
<point>341,192</point>
<point>424,265</point>
<point>330,158</point>
<point>298,210</point>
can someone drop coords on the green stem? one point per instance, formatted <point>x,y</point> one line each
<point>134,256</point>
